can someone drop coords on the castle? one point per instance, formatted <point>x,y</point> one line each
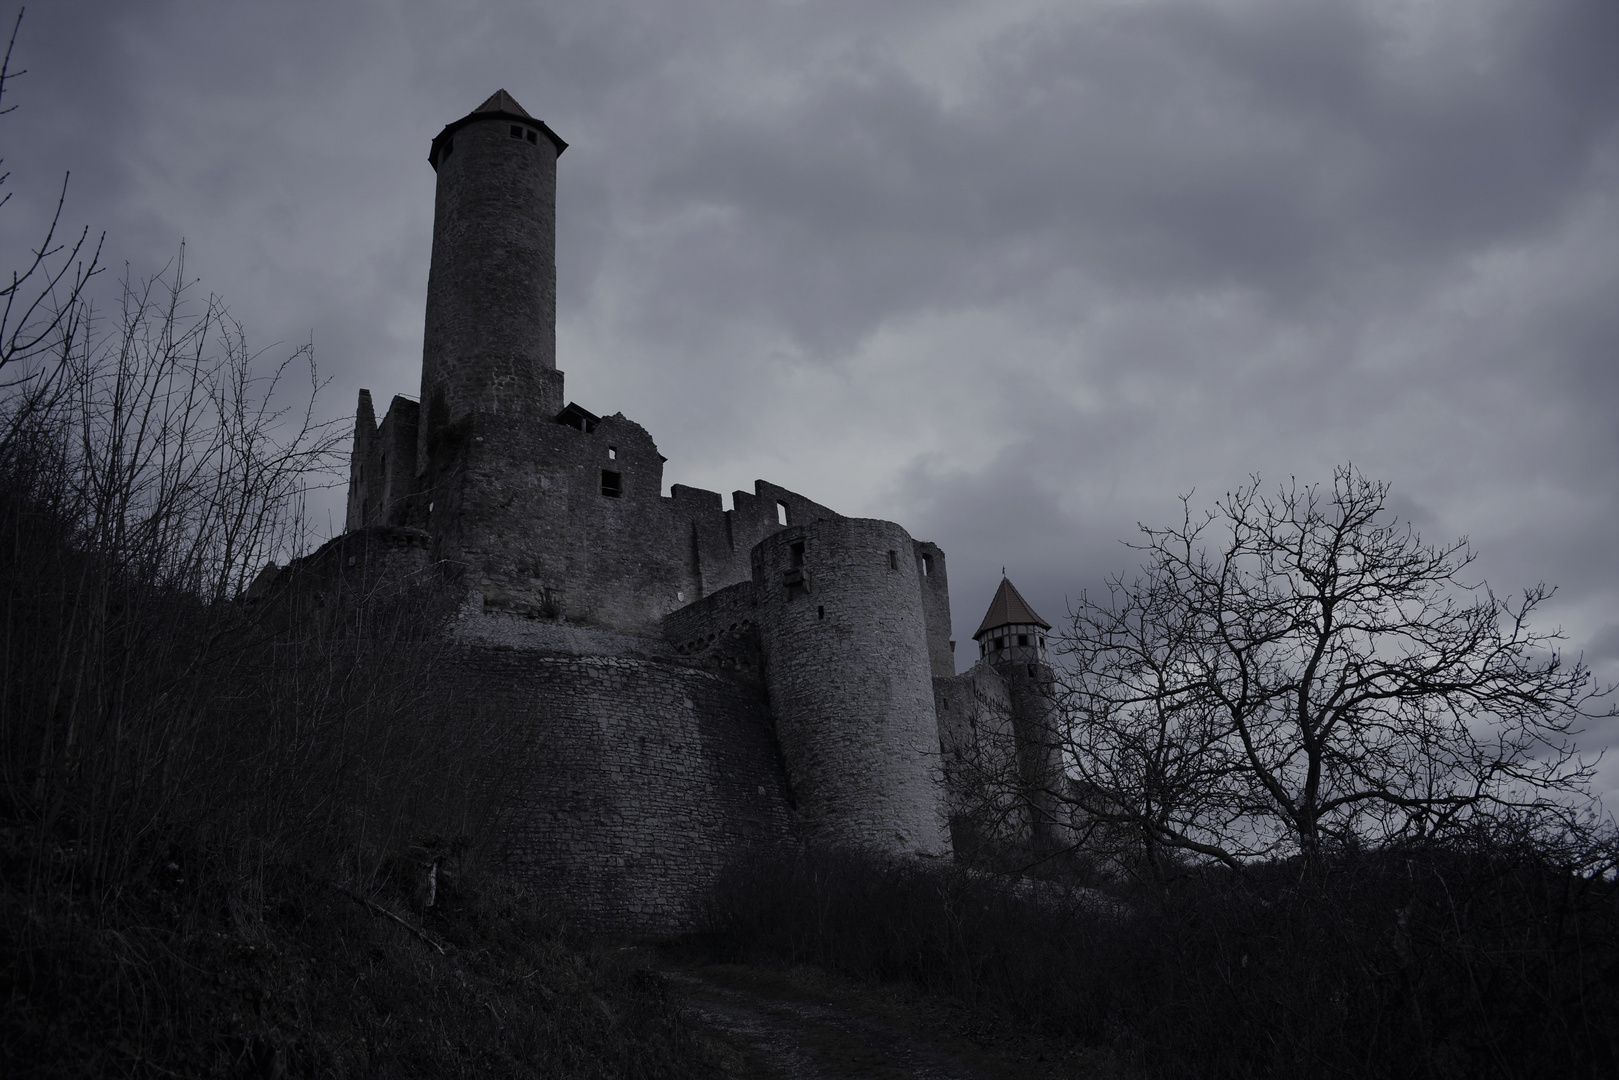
<point>695,684</point>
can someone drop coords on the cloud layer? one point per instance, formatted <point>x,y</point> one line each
<point>1015,275</point>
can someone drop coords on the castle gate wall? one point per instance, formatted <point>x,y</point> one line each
<point>843,634</point>
<point>641,780</point>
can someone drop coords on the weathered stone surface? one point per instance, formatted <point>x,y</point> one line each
<point>640,782</point>
<point>844,638</point>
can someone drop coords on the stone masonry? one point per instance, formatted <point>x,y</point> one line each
<point>692,685</point>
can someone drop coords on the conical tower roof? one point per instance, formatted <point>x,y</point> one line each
<point>1008,608</point>
<point>502,102</point>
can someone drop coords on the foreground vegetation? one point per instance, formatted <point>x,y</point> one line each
<point>1494,958</point>
<point>243,838</point>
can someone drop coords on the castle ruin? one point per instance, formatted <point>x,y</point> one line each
<point>696,684</point>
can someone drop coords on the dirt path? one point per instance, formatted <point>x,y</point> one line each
<point>801,1026</point>
<point>804,1040</point>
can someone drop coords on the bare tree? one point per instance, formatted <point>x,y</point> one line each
<point>40,309</point>
<point>1293,672</point>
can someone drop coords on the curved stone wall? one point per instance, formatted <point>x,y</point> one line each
<point>843,634</point>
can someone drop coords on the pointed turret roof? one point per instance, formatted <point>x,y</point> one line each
<point>502,102</point>
<point>1008,608</point>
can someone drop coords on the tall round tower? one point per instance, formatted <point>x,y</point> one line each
<point>490,335</point>
<point>844,635</point>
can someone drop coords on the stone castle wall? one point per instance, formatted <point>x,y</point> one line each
<point>978,736</point>
<point>640,780</point>
<point>843,633</point>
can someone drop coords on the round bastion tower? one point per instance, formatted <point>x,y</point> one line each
<point>489,343</point>
<point>845,648</point>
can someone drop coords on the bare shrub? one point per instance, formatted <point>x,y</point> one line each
<point>1486,955</point>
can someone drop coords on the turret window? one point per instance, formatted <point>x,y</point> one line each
<point>1023,641</point>
<point>893,560</point>
<point>781,513</point>
<point>612,483</point>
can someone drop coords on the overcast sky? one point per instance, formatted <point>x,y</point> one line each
<point>1013,274</point>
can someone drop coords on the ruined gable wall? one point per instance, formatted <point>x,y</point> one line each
<point>362,463</point>
<point>396,462</point>
<point>935,585</point>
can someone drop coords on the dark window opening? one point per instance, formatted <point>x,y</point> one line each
<point>579,419</point>
<point>517,132</point>
<point>612,453</point>
<point>1023,640</point>
<point>796,552</point>
<point>927,565</point>
<point>781,513</point>
<point>533,136</point>
<point>893,560</point>
<point>1000,643</point>
<point>820,613</point>
<point>612,483</point>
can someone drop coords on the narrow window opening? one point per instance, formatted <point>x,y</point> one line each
<point>796,552</point>
<point>1000,643</point>
<point>612,453</point>
<point>533,136</point>
<point>1023,641</point>
<point>517,132</point>
<point>820,613</point>
<point>612,484</point>
<point>927,565</point>
<point>781,513</point>
<point>893,560</point>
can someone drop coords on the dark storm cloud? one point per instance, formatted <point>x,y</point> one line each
<point>1178,147</point>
